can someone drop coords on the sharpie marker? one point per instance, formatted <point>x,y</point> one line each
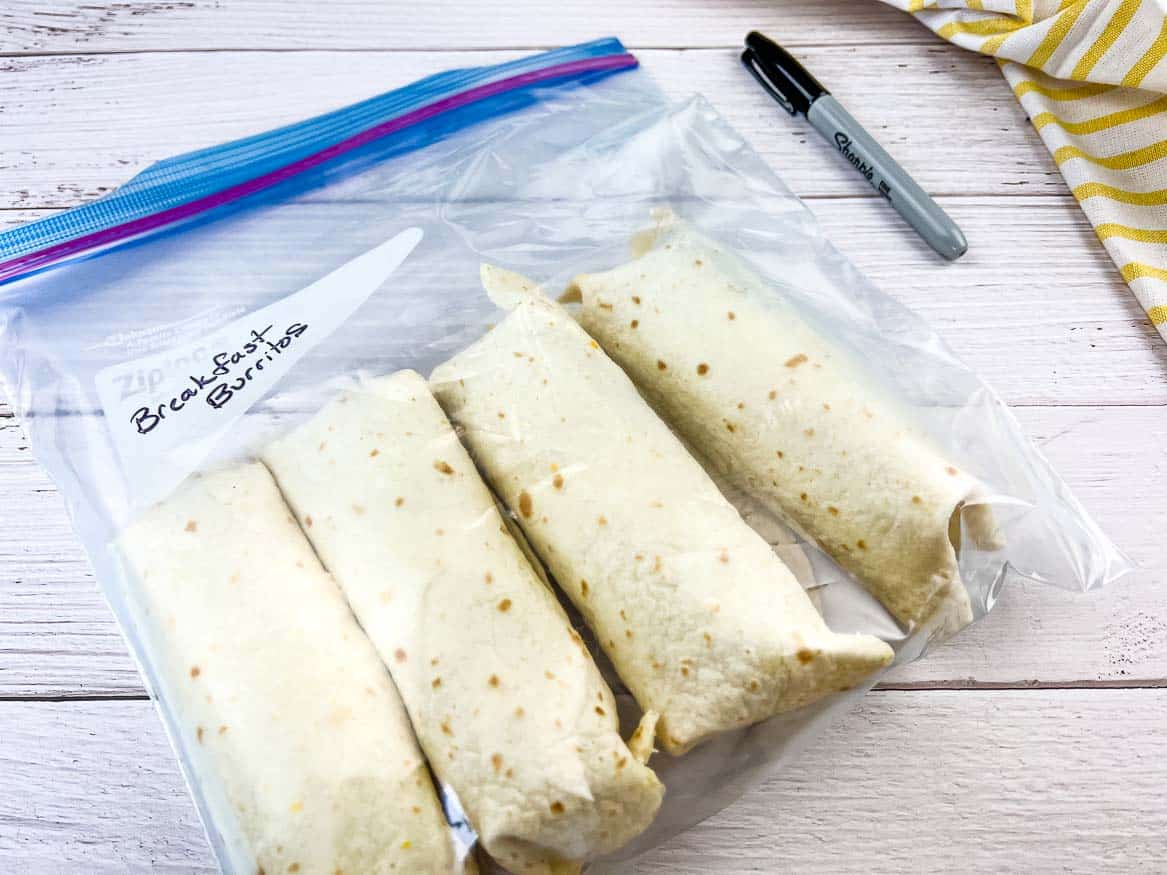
<point>789,83</point>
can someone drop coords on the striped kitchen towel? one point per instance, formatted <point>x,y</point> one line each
<point>1091,75</point>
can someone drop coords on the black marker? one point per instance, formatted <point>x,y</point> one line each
<point>797,91</point>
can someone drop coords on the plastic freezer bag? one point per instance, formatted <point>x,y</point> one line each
<point>203,362</point>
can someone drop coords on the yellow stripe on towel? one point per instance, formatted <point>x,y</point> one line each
<point>1066,19</point>
<point>1113,30</point>
<point>1137,271</point>
<point>1158,315</point>
<point>1156,198</point>
<point>1077,92</point>
<point>1121,161</point>
<point>1140,235</point>
<point>981,27</point>
<point>1102,122</point>
<point>1148,61</point>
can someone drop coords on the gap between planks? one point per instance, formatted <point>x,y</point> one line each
<point>916,687</point>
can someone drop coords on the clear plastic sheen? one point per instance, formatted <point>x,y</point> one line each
<point>552,189</point>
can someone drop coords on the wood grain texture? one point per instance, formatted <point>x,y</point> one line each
<point>153,25</point>
<point>95,120</point>
<point>960,779</point>
<point>57,637</point>
<point>908,782</point>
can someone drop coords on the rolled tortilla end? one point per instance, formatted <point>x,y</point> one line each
<point>786,415</point>
<point>507,702</point>
<point>701,620</point>
<point>296,734</point>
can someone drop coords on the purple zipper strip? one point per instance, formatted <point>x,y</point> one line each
<point>33,260</point>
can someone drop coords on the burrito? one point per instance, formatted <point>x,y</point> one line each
<point>294,729</point>
<point>507,703</point>
<point>701,620</point>
<point>788,417</point>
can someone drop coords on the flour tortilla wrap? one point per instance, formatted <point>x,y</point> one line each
<point>294,729</point>
<point>701,620</point>
<point>787,416</point>
<point>508,705</point>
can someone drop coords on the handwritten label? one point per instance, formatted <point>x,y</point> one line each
<point>843,141</point>
<point>168,410</point>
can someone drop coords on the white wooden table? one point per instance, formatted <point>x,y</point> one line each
<point>1033,742</point>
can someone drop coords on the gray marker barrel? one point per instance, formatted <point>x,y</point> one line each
<point>860,149</point>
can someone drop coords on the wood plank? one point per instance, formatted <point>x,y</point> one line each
<point>57,637</point>
<point>971,781</point>
<point>1074,332</point>
<point>142,25</point>
<point>96,120</point>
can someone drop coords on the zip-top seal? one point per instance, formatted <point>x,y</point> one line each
<point>183,187</point>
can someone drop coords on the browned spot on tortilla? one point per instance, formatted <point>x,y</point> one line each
<point>636,299</point>
<point>192,526</point>
<point>601,711</point>
<point>550,675</point>
<point>635,323</point>
<point>628,633</point>
<point>826,406</point>
<point>504,605</point>
<point>583,588</point>
<point>803,496</point>
<point>359,509</point>
<point>294,867</point>
<point>308,520</point>
<point>805,656</point>
<point>443,467</point>
<point>917,500</point>
<point>557,808</point>
<point>436,682</point>
<point>525,506</point>
<point>195,671</point>
<point>809,432</point>
<point>697,262</point>
<point>399,501</point>
<point>773,394</point>
<point>795,360</point>
<point>496,761</point>
<point>374,453</point>
<point>488,577</point>
<point>446,727</point>
<point>519,712</point>
<point>730,427</point>
<point>781,455</point>
<point>199,734</point>
<point>732,315</point>
<point>861,544</point>
<point>557,481</point>
<point>685,670</point>
<point>832,510</point>
<point>601,520</point>
<point>604,305</point>
<point>660,365</point>
<point>223,729</point>
<point>399,655</point>
<point>702,369</point>
<point>951,470</point>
